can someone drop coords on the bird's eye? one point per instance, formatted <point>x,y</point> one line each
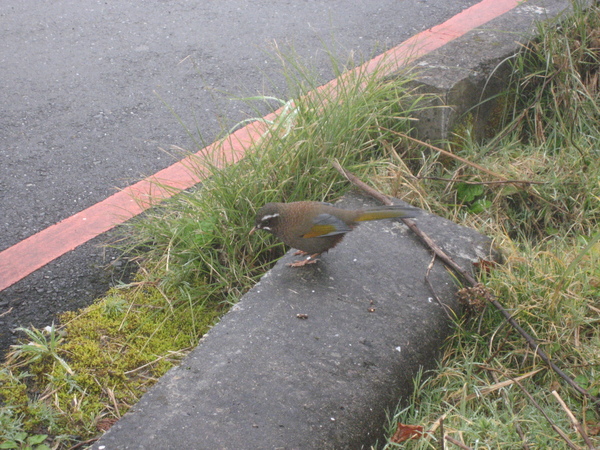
<point>268,221</point>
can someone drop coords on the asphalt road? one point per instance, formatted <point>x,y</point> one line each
<point>95,95</point>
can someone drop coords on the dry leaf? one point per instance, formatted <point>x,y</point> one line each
<point>406,432</point>
<point>105,424</point>
<point>593,430</point>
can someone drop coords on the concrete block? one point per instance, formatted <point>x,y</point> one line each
<point>311,357</point>
<point>468,73</point>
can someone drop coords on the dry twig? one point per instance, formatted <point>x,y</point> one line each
<point>439,423</point>
<point>448,154</point>
<point>468,278</point>
<point>574,421</point>
<point>455,442</point>
<point>560,432</point>
<point>84,443</point>
<point>494,387</point>
<point>445,307</point>
<point>449,180</point>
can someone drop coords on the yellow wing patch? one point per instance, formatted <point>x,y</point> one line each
<point>320,230</point>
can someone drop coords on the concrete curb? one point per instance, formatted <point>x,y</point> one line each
<point>468,72</point>
<point>265,378</point>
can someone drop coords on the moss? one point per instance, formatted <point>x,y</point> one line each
<point>116,348</point>
<point>192,260</point>
<point>12,390</point>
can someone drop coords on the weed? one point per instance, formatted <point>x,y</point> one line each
<point>24,441</point>
<point>196,258</point>
<point>541,194</point>
<point>44,344</point>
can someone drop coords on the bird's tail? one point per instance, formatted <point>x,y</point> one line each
<point>387,212</point>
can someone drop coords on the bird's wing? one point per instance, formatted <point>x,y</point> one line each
<point>327,225</point>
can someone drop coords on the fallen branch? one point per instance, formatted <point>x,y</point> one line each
<point>469,279</point>
<point>439,423</point>
<point>409,223</point>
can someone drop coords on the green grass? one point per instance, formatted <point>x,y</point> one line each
<point>196,258</point>
<point>538,197</point>
<point>547,229</point>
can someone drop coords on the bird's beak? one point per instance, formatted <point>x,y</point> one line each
<point>252,231</point>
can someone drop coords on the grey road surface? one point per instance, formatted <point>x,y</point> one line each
<point>91,92</point>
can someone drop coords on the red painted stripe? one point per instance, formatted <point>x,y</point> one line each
<point>439,35</point>
<point>27,256</point>
<point>36,251</point>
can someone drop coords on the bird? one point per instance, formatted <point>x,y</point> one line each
<point>316,227</point>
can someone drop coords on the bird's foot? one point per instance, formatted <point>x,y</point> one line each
<point>312,259</point>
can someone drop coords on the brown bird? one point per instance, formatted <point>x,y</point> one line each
<point>315,227</point>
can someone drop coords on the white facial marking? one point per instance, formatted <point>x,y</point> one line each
<point>268,216</point>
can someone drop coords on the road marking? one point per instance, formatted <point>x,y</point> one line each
<point>36,251</point>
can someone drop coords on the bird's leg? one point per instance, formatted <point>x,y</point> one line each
<point>312,259</point>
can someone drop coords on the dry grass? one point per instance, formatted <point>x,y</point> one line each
<point>545,222</point>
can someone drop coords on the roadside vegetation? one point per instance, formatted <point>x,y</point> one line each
<point>71,381</point>
<point>538,198</point>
